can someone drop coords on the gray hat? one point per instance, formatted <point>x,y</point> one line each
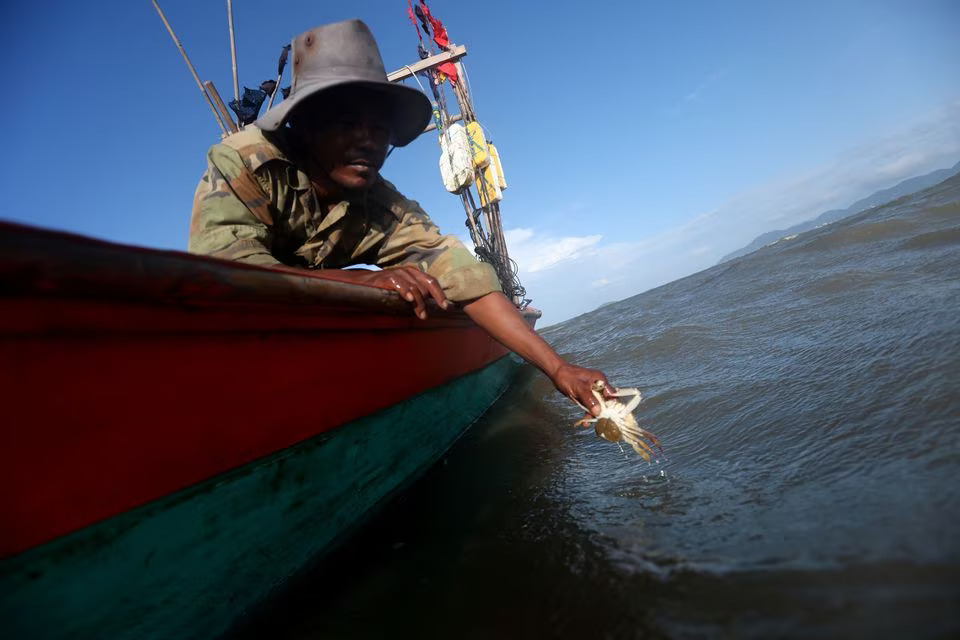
<point>345,53</point>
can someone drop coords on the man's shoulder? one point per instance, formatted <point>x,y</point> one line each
<point>385,195</point>
<point>254,147</point>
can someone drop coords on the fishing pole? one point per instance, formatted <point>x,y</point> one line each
<point>176,41</point>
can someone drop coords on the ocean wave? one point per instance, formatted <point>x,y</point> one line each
<point>855,234</point>
<point>932,240</point>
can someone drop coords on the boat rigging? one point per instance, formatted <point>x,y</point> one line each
<point>469,162</point>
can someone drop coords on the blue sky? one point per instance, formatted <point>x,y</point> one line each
<point>642,141</point>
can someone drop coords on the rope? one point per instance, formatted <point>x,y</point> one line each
<point>489,243</point>
<point>413,73</point>
<point>485,250</point>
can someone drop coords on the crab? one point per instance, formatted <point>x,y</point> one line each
<point>616,420</point>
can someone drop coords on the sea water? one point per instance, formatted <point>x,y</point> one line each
<point>808,400</point>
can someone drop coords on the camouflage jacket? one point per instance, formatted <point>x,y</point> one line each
<point>254,205</point>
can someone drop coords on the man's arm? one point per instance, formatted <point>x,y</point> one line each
<point>426,264</point>
<point>222,225</point>
<point>498,317</point>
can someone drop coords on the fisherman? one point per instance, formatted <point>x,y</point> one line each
<point>302,188</point>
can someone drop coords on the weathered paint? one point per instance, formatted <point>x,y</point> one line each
<point>97,426</point>
<point>186,565</point>
<point>129,374</point>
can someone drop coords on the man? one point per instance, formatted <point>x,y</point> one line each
<point>302,188</point>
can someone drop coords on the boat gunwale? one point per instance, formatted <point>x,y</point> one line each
<point>56,264</point>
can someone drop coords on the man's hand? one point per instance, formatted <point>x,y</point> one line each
<point>413,285</point>
<point>500,319</point>
<point>576,383</point>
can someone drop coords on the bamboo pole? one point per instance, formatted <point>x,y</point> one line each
<point>233,51</point>
<point>462,92</point>
<point>176,41</point>
<point>498,226</point>
<point>212,90</point>
<point>276,88</point>
<point>491,209</point>
<point>281,64</point>
<point>466,205</point>
<point>433,125</point>
<point>494,236</point>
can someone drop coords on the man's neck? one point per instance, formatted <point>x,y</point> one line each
<point>328,193</point>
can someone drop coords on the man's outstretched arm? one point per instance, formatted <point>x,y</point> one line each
<point>495,314</point>
<point>498,317</point>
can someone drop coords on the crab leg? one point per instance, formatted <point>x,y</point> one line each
<point>634,440</point>
<point>640,447</point>
<point>634,402</point>
<point>640,434</point>
<point>654,439</point>
<point>632,437</point>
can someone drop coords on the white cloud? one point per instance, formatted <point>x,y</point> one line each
<point>539,252</point>
<point>517,235</point>
<point>572,275</point>
<point>696,94</point>
<point>907,164</point>
<point>926,145</point>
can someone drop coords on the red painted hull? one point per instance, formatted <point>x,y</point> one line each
<point>129,374</point>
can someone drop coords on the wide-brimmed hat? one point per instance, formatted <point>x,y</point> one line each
<point>345,53</point>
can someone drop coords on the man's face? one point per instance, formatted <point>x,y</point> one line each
<point>347,134</point>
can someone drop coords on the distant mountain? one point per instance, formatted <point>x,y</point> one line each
<point>883,196</point>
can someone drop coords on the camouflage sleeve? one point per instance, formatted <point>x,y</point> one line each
<point>416,240</point>
<point>222,225</point>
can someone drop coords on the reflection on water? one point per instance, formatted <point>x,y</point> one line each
<point>808,400</point>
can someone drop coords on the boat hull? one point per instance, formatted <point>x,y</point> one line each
<point>187,565</point>
<point>182,434</point>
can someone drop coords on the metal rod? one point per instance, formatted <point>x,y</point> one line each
<point>233,50</point>
<point>176,40</point>
<point>212,90</point>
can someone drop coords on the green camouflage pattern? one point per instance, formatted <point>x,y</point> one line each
<point>254,205</point>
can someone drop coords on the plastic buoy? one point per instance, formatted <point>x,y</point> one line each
<point>456,166</point>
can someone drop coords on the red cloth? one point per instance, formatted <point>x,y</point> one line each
<point>439,31</point>
<point>413,20</point>
<point>439,36</point>
<point>450,70</point>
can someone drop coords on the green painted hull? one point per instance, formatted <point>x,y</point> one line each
<point>188,565</point>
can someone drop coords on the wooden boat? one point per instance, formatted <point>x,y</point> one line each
<point>181,434</point>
